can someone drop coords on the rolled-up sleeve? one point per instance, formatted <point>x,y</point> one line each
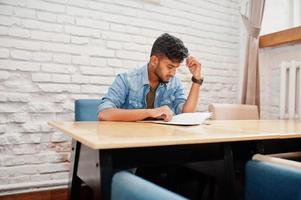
<point>180,98</point>
<point>116,95</point>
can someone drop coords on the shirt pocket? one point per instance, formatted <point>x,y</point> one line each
<point>168,100</point>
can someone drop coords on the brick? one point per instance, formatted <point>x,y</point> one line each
<point>79,40</point>
<point>19,65</point>
<point>96,51</point>
<point>65,19</point>
<point>24,12</point>
<point>114,45</point>
<point>40,25</point>
<point>20,44</point>
<point>61,48</point>
<point>82,31</point>
<point>59,88</point>
<point>40,177</point>
<point>62,58</point>
<point>74,11</point>
<point>3,30</point>
<point>6,10</point>
<point>131,55</point>
<point>44,107</point>
<point>17,97</point>
<point>94,89</point>
<point>44,16</point>
<point>9,21</point>
<point>97,42</point>
<point>16,3</point>
<point>62,147</point>
<point>4,75</point>
<point>20,117</point>
<point>46,36</point>
<point>114,62</point>
<point>80,79</point>
<point>61,78</point>
<point>20,85</point>
<point>50,168</point>
<point>101,80</point>
<point>98,61</point>
<point>41,56</point>
<point>20,54</point>
<point>3,98</point>
<point>66,69</point>
<point>137,47</point>
<point>75,97</point>
<point>132,29</point>
<point>19,179</point>
<point>31,127</point>
<point>11,161</point>
<point>92,23</point>
<point>40,5</point>
<point>53,157</point>
<point>2,128</point>
<point>60,175</point>
<point>41,77</point>
<point>45,127</point>
<point>97,70</point>
<point>117,27</point>
<point>23,169</point>
<point>81,60</point>
<point>59,137</point>
<point>116,36</point>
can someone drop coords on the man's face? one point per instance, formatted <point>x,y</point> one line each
<point>166,69</point>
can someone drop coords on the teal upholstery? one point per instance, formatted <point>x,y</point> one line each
<point>270,181</point>
<point>86,109</point>
<point>127,186</point>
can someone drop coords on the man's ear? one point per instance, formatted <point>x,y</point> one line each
<point>154,60</point>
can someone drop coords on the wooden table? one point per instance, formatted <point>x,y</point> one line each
<point>101,148</point>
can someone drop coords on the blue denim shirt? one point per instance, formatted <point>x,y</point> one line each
<point>129,91</point>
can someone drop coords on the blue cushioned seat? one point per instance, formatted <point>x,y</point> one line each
<point>86,109</point>
<point>127,186</point>
<point>270,181</point>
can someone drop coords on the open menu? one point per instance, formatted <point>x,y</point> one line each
<point>185,119</point>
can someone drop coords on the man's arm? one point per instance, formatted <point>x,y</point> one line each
<point>193,97</point>
<point>116,114</point>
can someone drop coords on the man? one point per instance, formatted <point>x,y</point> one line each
<point>153,90</point>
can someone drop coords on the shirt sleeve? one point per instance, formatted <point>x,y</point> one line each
<point>116,95</point>
<point>180,98</point>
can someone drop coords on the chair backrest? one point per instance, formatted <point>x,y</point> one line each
<point>127,186</point>
<point>272,179</point>
<point>86,109</point>
<point>234,111</point>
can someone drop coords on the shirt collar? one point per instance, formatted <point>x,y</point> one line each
<point>145,80</point>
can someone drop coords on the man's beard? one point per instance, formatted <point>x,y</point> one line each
<point>158,75</point>
<point>160,79</point>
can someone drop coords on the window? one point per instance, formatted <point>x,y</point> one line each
<point>280,15</point>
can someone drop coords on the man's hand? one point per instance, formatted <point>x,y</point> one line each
<point>163,112</point>
<point>194,67</point>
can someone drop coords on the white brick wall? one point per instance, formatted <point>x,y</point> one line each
<point>52,52</point>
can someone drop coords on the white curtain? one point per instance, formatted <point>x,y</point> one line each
<point>251,12</point>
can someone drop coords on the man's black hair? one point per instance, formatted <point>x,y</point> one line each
<point>171,47</point>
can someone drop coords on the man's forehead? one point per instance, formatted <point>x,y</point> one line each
<point>170,62</point>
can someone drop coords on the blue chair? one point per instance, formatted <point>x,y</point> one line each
<point>266,180</point>
<point>86,109</point>
<point>127,186</point>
